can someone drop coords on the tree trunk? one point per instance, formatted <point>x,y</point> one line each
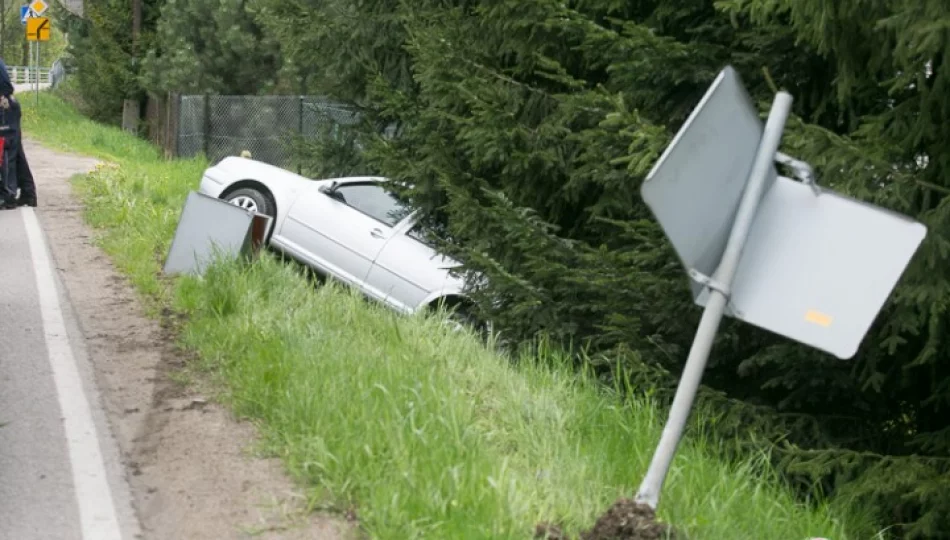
<point>131,108</point>
<point>136,25</point>
<point>131,113</point>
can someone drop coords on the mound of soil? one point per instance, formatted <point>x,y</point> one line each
<point>628,520</point>
<point>625,520</point>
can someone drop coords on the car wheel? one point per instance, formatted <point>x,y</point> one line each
<point>461,315</point>
<point>253,200</point>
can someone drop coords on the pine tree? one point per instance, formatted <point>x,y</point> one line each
<point>102,51</point>
<point>211,46</point>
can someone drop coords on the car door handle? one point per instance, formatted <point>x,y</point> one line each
<point>377,233</point>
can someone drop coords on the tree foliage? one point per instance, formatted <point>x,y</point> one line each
<point>211,46</point>
<point>102,50</point>
<point>15,49</point>
<point>525,128</point>
<point>215,46</point>
<point>106,59</point>
<point>528,126</point>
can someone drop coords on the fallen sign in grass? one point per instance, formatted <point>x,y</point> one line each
<point>424,431</point>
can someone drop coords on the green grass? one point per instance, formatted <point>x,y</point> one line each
<point>138,228</point>
<point>425,432</point>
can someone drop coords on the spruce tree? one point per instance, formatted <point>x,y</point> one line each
<point>331,46</point>
<point>211,46</point>
<point>887,144</point>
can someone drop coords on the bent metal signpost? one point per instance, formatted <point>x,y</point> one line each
<point>782,254</point>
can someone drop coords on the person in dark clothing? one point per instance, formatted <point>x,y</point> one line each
<point>25,180</point>
<point>17,187</point>
<point>21,169</point>
<point>8,181</point>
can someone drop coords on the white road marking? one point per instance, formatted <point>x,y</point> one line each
<point>97,513</point>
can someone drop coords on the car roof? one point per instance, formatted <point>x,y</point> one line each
<point>354,179</point>
<point>357,179</point>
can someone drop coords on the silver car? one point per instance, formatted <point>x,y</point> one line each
<point>352,229</point>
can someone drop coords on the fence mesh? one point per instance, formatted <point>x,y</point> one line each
<point>191,126</point>
<point>263,125</point>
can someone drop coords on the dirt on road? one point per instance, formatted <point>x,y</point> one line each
<point>188,461</point>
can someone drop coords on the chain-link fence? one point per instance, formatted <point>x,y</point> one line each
<point>266,126</point>
<point>191,126</point>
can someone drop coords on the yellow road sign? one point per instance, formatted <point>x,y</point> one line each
<point>37,29</point>
<point>39,6</point>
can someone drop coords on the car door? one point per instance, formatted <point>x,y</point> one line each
<point>342,232</point>
<point>408,269</point>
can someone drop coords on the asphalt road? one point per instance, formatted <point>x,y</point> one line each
<point>60,476</point>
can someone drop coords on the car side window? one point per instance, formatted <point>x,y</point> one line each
<point>429,233</point>
<point>421,234</point>
<point>374,201</point>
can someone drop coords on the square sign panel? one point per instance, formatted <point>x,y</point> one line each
<point>695,187</point>
<point>209,228</point>
<point>818,268</point>
<point>815,268</point>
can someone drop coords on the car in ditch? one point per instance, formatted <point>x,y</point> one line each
<point>352,229</point>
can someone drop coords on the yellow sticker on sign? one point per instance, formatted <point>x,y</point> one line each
<point>39,7</point>
<point>37,29</point>
<point>817,317</point>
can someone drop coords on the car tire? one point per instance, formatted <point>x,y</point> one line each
<point>462,315</point>
<point>252,199</point>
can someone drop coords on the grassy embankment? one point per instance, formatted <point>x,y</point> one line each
<point>424,432</point>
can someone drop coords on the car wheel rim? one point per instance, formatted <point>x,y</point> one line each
<point>454,325</point>
<point>244,202</point>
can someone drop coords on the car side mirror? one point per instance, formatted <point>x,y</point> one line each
<point>329,190</point>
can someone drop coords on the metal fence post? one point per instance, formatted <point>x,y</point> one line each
<point>206,137</point>
<point>173,125</point>
<point>300,133</point>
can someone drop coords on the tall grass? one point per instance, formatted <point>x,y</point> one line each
<point>424,431</point>
<point>138,228</point>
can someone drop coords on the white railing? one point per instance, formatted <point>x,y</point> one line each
<point>28,75</point>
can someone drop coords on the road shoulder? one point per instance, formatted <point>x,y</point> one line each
<point>188,460</point>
